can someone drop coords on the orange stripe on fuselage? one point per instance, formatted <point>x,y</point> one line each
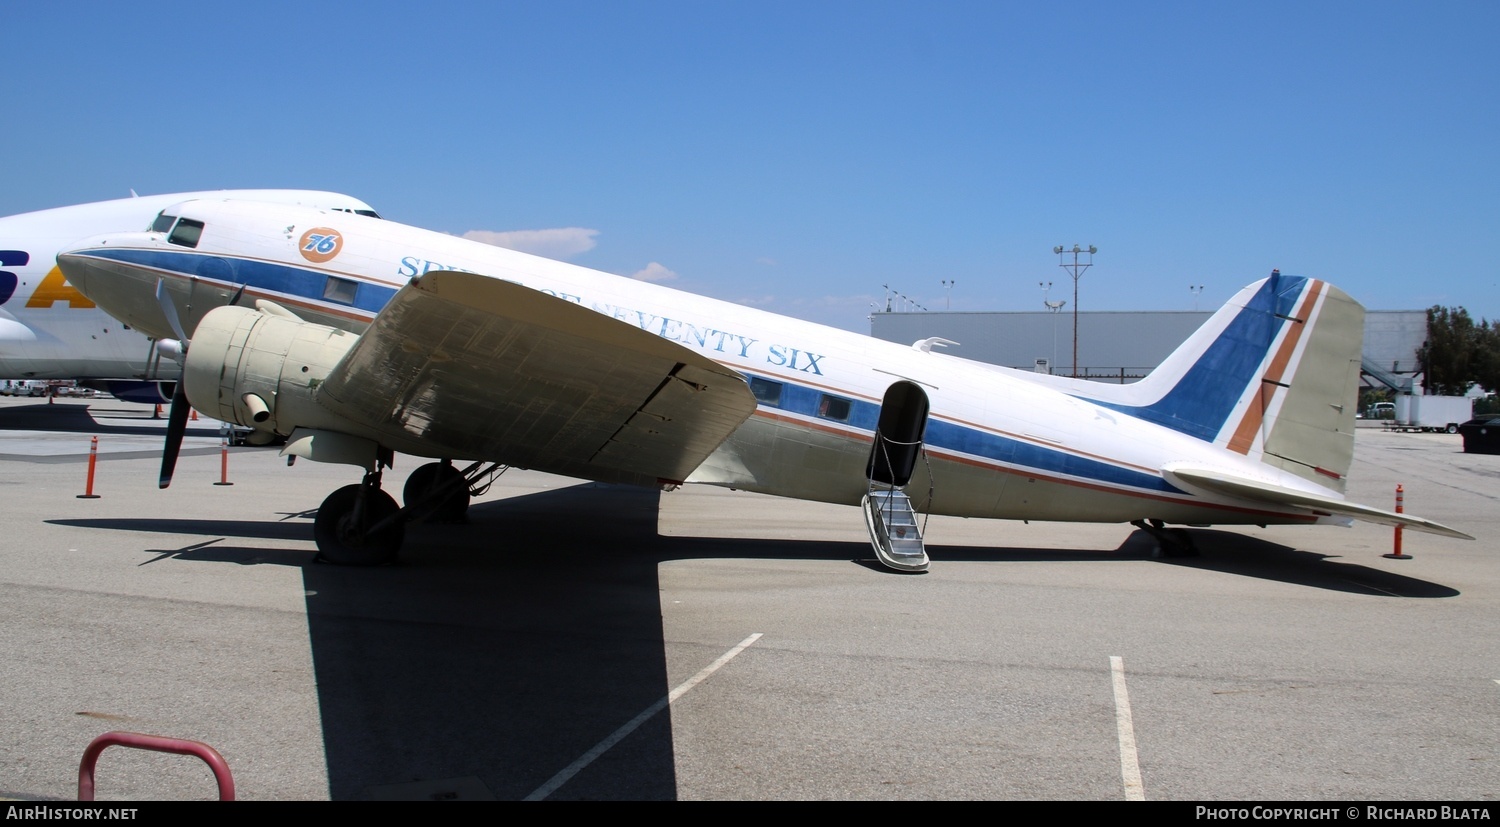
<point>1244,435</point>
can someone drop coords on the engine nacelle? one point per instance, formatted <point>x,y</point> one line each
<point>262,371</point>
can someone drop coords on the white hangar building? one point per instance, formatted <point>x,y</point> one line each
<point>1120,346</point>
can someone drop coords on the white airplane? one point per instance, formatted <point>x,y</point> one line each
<point>48,330</point>
<point>373,337</point>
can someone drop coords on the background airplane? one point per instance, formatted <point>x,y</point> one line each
<point>370,338</point>
<point>49,330</point>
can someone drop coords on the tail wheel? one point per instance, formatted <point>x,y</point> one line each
<point>347,539</point>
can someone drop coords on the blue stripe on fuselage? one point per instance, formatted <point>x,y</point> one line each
<point>1203,398</point>
<point>966,439</point>
<point>265,276</point>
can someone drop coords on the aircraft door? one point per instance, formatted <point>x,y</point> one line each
<point>898,437</point>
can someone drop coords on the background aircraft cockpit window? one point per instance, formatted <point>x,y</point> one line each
<point>366,213</point>
<point>340,290</point>
<point>163,222</point>
<point>833,407</point>
<point>766,392</point>
<point>186,233</point>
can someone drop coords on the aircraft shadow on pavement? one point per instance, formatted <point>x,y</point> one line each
<point>501,650</point>
<point>75,418</point>
<point>1231,553</point>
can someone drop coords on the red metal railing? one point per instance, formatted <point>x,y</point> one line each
<point>154,743</point>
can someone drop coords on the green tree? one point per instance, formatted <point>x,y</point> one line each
<point>1486,359</point>
<point>1448,354</point>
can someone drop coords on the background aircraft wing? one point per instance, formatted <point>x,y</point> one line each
<point>480,368</point>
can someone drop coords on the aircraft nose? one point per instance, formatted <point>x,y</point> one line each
<point>119,287</point>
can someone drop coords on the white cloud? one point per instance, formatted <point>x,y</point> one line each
<point>562,243</point>
<point>654,272</point>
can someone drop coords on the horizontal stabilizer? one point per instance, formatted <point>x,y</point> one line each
<point>1220,482</point>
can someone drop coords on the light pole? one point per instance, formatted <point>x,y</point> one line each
<point>948,299</point>
<point>1076,269</point>
<point>1054,307</point>
<point>1195,289</point>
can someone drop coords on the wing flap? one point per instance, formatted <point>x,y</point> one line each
<point>1222,482</point>
<point>467,366</point>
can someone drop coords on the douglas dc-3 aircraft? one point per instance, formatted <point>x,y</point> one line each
<point>369,337</point>
<point>48,330</point>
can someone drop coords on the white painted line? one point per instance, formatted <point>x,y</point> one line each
<point>1130,765</point>
<point>630,726</point>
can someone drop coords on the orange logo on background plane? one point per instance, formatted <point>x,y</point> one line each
<point>55,288</point>
<point>320,244</point>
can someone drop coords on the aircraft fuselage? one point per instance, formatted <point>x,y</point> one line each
<point>998,442</point>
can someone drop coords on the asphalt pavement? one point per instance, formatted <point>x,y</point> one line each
<point>577,641</point>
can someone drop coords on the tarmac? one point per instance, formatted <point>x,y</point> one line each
<point>573,641</point>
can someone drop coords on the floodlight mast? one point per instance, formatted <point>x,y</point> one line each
<point>1076,269</point>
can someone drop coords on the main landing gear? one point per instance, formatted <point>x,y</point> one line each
<point>440,489</point>
<point>1170,542</point>
<point>361,525</point>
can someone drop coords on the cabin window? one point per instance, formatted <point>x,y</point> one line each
<point>163,222</point>
<point>186,233</point>
<point>834,407</point>
<point>766,392</point>
<point>340,290</point>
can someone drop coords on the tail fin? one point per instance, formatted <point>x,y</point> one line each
<point>1273,375</point>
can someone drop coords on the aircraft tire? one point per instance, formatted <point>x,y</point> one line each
<point>428,478</point>
<point>341,542</point>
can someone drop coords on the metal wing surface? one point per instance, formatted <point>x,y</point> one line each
<point>1223,482</point>
<point>467,366</point>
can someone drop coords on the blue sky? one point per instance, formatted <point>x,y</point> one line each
<point>798,156</point>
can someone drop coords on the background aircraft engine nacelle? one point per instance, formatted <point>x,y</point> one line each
<point>261,371</point>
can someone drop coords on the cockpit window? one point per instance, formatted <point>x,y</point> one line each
<point>186,233</point>
<point>163,222</point>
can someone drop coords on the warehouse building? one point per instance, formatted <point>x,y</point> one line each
<point>1120,346</point>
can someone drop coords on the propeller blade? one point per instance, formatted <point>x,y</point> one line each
<point>234,300</point>
<point>176,427</point>
<point>169,310</point>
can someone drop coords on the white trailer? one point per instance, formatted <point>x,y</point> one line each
<point>1415,412</point>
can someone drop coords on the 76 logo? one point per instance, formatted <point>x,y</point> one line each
<point>321,244</point>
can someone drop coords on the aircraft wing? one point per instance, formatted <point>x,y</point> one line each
<point>1221,482</point>
<point>474,367</point>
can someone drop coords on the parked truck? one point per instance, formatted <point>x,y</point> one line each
<point>1416,412</point>
<point>23,387</point>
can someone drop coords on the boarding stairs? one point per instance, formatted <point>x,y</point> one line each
<point>892,522</point>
